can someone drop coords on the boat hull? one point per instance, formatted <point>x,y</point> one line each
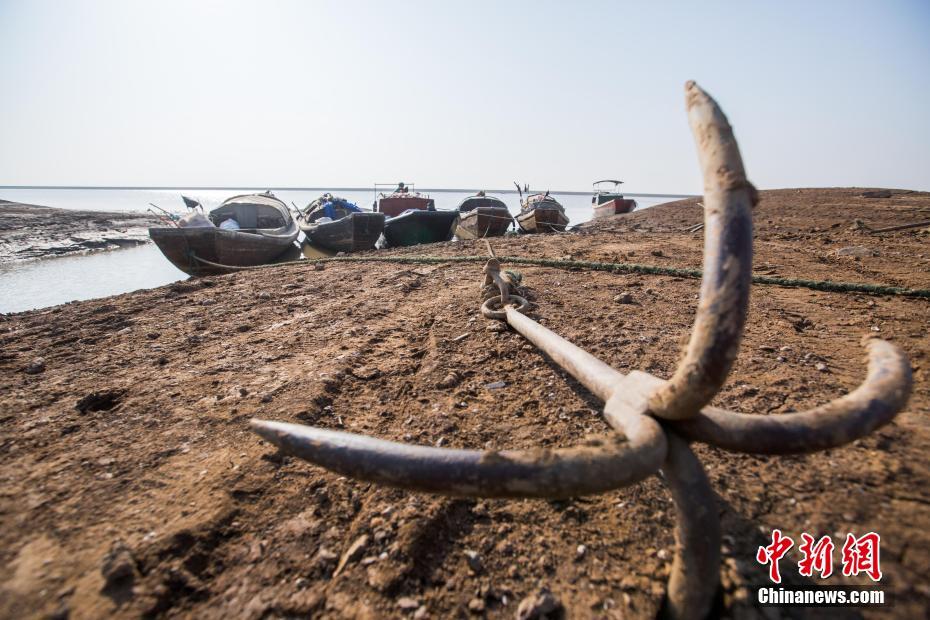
<point>352,233</point>
<point>483,222</point>
<point>394,205</point>
<point>417,227</point>
<point>220,246</point>
<point>542,219</point>
<point>615,206</point>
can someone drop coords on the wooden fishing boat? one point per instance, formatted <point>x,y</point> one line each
<point>403,198</point>
<point>244,231</point>
<point>482,216</point>
<point>541,213</point>
<point>609,202</point>
<point>337,224</point>
<point>420,226</point>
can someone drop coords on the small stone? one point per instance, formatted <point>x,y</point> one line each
<point>473,560</point>
<point>264,295</point>
<point>420,613</point>
<point>624,298</point>
<point>118,567</point>
<point>35,367</point>
<point>353,553</point>
<point>657,253</point>
<point>821,366</point>
<point>365,373</point>
<point>496,326</point>
<point>580,551</point>
<point>662,554</point>
<point>476,606</point>
<point>450,380</point>
<point>856,251</point>
<point>537,605</point>
<point>496,385</point>
<point>408,604</point>
<point>318,266</point>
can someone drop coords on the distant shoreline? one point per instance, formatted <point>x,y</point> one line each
<point>311,189</point>
<point>31,232</point>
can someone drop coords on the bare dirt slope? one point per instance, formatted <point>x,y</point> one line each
<point>131,486</point>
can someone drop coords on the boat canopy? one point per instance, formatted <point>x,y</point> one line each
<point>253,211</point>
<point>473,202</point>
<point>614,181</point>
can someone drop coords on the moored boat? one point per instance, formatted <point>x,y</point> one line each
<point>418,226</point>
<point>244,231</point>
<point>403,198</point>
<point>540,213</point>
<point>609,202</point>
<point>336,224</point>
<point>482,216</point>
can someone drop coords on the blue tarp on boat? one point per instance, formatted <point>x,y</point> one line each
<point>329,208</point>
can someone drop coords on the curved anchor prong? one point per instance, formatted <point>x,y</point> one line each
<point>602,464</point>
<point>721,313</point>
<point>695,574</point>
<point>882,394</point>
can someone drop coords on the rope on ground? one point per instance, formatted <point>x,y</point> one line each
<point>675,272</point>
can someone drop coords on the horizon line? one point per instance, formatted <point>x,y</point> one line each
<point>303,189</point>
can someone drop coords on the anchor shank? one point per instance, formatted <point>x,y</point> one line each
<point>594,374</point>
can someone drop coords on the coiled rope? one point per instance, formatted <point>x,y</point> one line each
<point>676,272</point>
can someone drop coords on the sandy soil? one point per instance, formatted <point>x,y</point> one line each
<point>31,231</point>
<point>131,485</point>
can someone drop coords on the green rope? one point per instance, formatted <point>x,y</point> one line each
<point>816,285</point>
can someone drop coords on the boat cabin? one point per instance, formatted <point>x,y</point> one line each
<point>602,194</point>
<point>402,198</point>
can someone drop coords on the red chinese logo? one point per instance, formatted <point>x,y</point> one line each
<point>772,553</point>
<point>861,555</point>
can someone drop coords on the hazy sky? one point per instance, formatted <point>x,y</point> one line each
<point>459,94</point>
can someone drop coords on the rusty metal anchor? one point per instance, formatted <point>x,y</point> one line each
<point>654,419</point>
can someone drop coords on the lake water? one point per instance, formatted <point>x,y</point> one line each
<point>48,282</point>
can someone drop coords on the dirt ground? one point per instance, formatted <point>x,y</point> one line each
<point>30,231</point>
<point>130,484</point>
